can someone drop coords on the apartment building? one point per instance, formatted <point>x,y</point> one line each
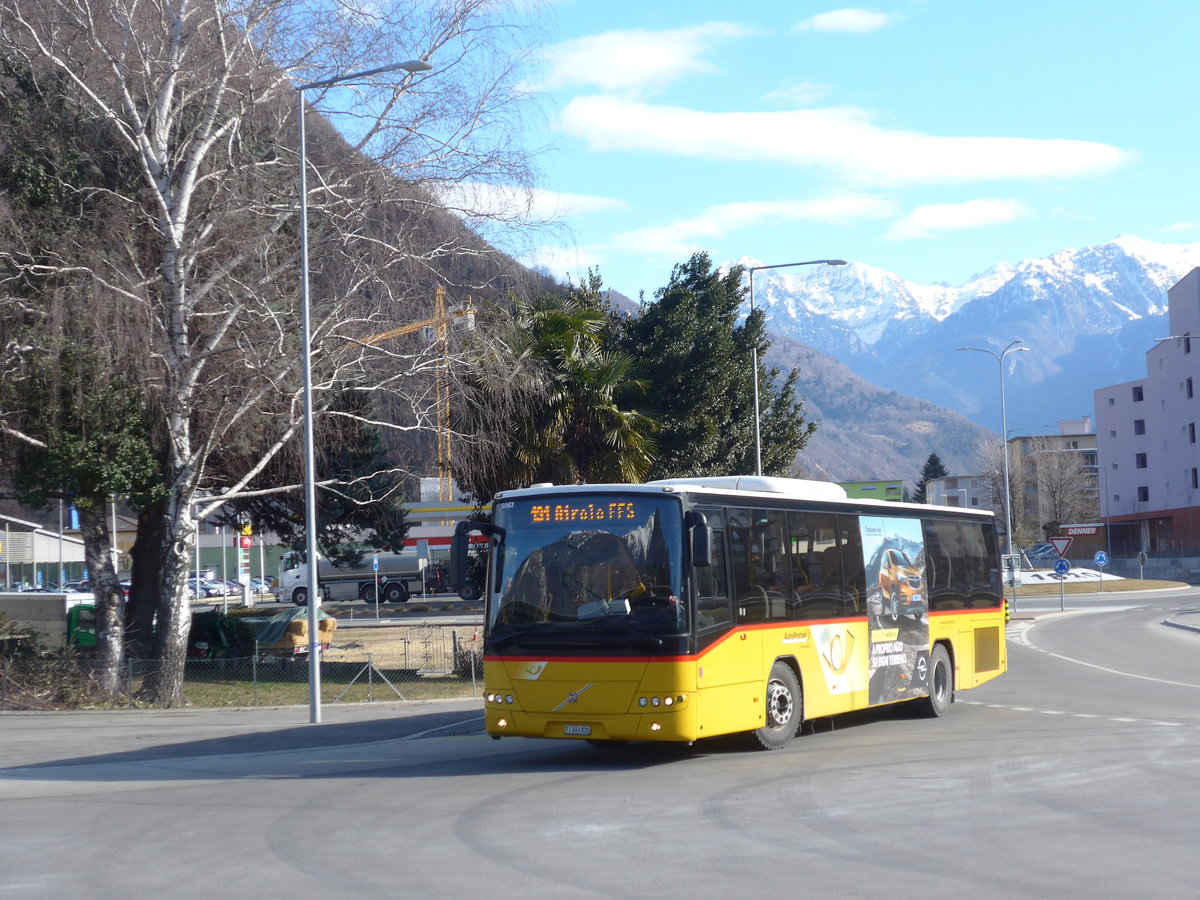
<point>1054,477</point>
<point>1149,461</point>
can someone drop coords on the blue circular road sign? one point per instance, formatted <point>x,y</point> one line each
<point>1061,567</point>
<point>1101,558</point>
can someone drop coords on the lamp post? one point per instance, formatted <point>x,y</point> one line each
<point>754,349</point>
<point>310,482</point>
<point>1008,525</point>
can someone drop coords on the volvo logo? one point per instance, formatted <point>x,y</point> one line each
<point>572,697</point>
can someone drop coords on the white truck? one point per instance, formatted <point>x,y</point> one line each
<point>399,575</point>
<point>59,620</point>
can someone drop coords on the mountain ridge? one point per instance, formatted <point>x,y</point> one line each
<point>1086,315</point>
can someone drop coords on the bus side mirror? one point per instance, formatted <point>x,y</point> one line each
<point>701,539</point>
<point>459,544</point>
<point>458,557</point>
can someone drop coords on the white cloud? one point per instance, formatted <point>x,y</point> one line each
<point>800,93</point>
<point>635,61</point>
<point>533,204</point>
<point>560,262</point>
<point>925,221</point>
<point>684,236</point>
<point>857,21</point>
<point>1179,226</point>
<point>841,139</point>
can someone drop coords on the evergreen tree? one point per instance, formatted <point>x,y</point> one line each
<point>698,363</point>
<point>932,469</point>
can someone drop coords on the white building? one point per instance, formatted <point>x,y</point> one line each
<point>1146,440</point>
<point>33,555</point>
<point>967,491</point>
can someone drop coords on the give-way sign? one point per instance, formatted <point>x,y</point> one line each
<point>1061,544</point>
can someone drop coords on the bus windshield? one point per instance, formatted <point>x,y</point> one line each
<point>595,563</point>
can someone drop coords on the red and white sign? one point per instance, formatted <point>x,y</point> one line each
<point>1061,544</point>
<point>1081,530</point>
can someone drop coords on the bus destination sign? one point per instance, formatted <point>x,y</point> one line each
<point>570,511</point>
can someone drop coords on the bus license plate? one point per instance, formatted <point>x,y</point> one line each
<point>581,730</point>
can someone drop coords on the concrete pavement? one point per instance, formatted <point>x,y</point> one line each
<point>32,739</point>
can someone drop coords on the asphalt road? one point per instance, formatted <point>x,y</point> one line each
<point>1075,775</point>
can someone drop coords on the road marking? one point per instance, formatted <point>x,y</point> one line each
<point>476,720</point>
<point>1022,637</point>
<point>1056,712</point>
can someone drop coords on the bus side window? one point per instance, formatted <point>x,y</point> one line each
<point>818,563</point>
<point>712,588</point>
<point>854,572</point>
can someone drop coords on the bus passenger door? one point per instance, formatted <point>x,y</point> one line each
<point>728,672</point>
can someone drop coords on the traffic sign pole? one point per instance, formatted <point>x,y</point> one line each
<point>1101,559</point>
<point>375,570</point>
<point>1061,568</point>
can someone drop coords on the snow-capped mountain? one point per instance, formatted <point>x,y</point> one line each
<point>1088,316</point>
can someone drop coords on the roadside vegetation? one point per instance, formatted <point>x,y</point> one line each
<point>1120,586</point>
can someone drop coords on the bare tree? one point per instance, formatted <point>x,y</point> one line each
<point>1066,485</point>
<point>197,100</point>
<point>991,464</point>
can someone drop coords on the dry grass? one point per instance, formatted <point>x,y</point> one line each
<point>1091,587</point>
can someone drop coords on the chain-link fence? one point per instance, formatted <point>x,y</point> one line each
<point>421,662</point>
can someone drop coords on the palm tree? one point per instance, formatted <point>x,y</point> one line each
<point>570,422</point>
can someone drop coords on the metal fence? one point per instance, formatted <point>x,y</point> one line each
<point>422,663</point>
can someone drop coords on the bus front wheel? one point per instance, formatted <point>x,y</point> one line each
<point>784,709</point>
<point>941,683</point>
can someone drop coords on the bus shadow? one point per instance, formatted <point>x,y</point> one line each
<point>398,748</point>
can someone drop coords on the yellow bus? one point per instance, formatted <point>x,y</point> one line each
<point>689,608</point>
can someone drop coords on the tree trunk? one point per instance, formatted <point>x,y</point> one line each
<point>143,596</point>
<point>164,683</point>
<point>110,598</point>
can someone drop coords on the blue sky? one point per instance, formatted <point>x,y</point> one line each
<point>931,138</point>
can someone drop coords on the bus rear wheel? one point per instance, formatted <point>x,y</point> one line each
<point>784,709</point>
<point>941,683</point>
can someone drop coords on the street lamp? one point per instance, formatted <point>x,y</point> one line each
<point>1004,430</point>
<point>754,349</point>
<point>310,481</point>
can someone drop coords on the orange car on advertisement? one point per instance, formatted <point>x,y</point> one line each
<point>901,586</point>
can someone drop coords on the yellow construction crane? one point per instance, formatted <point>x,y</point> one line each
<point>439,326</point>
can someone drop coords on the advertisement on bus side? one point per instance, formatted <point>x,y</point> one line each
<point>897,607</point>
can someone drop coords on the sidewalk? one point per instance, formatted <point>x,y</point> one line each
<point>73,738</point>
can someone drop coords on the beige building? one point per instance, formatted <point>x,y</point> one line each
<point>1054,478</point>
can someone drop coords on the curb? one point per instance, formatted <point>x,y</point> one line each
<point>1170,620</point>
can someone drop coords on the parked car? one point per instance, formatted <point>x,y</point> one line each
<point>1041,551</point>
<point>203,588</point>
